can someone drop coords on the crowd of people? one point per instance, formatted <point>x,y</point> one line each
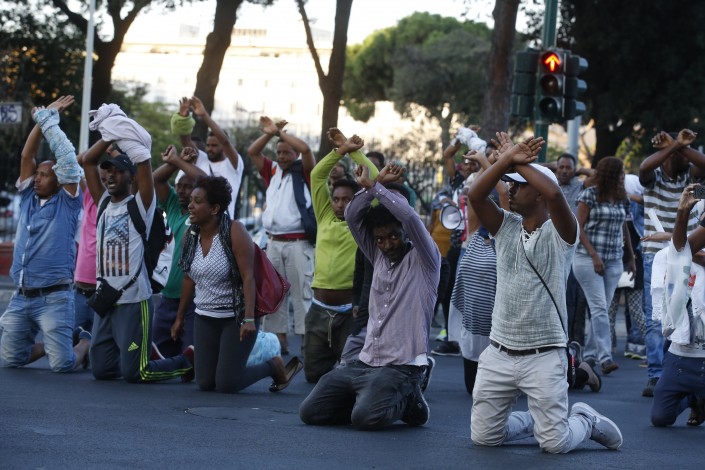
<point>367,276</point>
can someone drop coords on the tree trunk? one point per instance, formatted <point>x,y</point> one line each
<point>497,98</point>
<point>217,44</point>
<point>106,51</point>
<point>606,142</point>
<point>332,84</point>
<point>103,71</point>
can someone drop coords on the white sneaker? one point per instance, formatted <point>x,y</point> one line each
<point>604,431</point>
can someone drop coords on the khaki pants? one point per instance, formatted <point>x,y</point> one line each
<point>294,261</point>
<point>542,377</point>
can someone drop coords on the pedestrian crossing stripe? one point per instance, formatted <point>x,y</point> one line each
<point>133,346</point>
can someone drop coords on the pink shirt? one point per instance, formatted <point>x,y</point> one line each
<point>85,260</point>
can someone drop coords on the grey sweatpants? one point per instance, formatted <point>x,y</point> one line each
<point>122,343</point>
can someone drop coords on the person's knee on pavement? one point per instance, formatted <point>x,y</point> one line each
<point>662,420</point>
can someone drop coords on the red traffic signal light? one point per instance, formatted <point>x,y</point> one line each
<point>552,62</point>
<point>551,81</point>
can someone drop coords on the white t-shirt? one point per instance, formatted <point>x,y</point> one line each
<point>122,248</point>
<point>225,169</point>
<point>281,215</point>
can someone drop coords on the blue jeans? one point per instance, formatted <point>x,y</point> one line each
<point>84,313</point>
<point>53,315</point>
<point>599,291</point>
<point>361,395</point>
<point>654,337</point>
<point>681,378</point>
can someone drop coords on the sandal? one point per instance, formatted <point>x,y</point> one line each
<point>293,367</point>
<point>697,412</point>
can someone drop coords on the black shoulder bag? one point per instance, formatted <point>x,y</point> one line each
<point>571,373</point>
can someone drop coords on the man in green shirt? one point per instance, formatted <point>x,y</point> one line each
<point>174,200</point>
<point>329,320</point>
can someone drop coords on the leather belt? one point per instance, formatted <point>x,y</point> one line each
<point>278,238</point>
<point>522,352</point>
<point>43,291</point>
<point>85,292</point>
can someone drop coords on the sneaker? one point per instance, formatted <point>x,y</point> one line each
<point>577,350</point>
<point>427,373</point>
<point>594,381</point>
<point>639,352</point>
<point>442,335</point>
<point>84,334</point>
<point>650,386</point>
<point>154,354</point>
<point>189,354</point>
<point>604,431</point>
<point>609,366</point>
<point>635,351</point>
<point>417,411</point>
<point>447,348</point>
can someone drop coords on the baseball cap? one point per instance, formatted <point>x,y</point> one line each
<point>122,162</point>
<point>516,177</point>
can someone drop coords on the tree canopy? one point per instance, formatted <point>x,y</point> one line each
<point>429,61</point>
<point>647,66</point>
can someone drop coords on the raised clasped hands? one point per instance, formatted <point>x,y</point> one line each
<point>336,137</point>
<point>184,106</point>
<point>169,155</point>
<point>502,143</point>
<point>350,145</point>
<point>267,125</point>
<point>189,155</point>
<point>62,103</point>
<point>362,176</point>
<point>661,140</point>
<point>198,108</point>
<point>686,137</point>
<point>391,173</point>
<point>479,157</point>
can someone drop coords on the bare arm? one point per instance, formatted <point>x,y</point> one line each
<point>269,130</point>
<point>448,157</point>
<point>244,252</point>
<point>308,161</point>
<point>218,133</point>
<point>185,137</point>
<point>665,145</point>
<point>188,290</point>
<point>558,208</point>
<point>90,166</point>
<point>28,165</point>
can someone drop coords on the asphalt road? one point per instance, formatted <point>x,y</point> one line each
<point>50,420</point>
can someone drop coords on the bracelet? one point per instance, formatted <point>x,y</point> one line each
<point>248,320</point>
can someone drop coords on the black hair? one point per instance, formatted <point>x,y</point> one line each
<point>378,155</point>
<point>379,216</point>
<point>401,189</point>
<point>569,156</point>
<point>198,142</point>
<point>218,190</point>
<point>346,183</point>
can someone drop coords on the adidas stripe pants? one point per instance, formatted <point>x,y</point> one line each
<point>121,346</point>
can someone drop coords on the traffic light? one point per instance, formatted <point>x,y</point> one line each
<point>524,83</point>
<point>551,86</point>
<point>574,86</point>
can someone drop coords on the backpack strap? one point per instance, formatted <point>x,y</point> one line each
<point>137,219</point>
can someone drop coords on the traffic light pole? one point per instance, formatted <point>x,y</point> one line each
<point>548,37</point>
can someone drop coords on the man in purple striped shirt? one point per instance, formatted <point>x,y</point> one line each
<point>384,385</point>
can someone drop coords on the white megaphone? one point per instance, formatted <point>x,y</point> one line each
<point>451,218</point>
